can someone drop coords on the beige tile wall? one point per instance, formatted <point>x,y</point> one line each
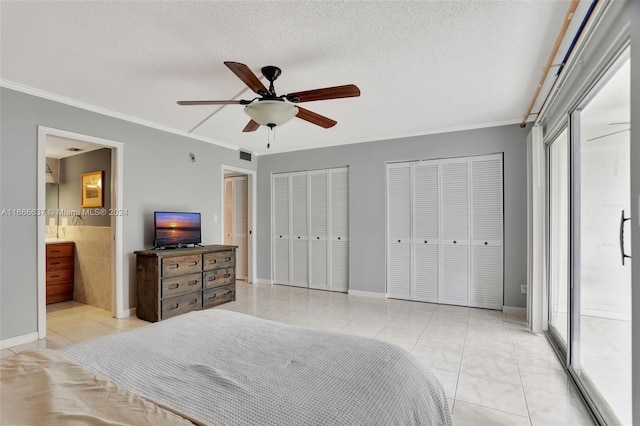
<point>92,263</point>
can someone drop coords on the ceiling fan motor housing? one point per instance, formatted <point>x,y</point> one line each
<point>271,72</point>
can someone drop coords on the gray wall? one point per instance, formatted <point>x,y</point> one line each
<point>367,220</point>
<point>71,170</point>
<point>157,176</point>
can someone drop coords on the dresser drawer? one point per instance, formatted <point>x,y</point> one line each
<point>57,277</point>
<point>181,285</point>
<point>218,295</point>
<point>59,292</point>
<point>181,304</point>
<point>219,277</point>
<point>181,265</point>
<point>221,259</point>
<point>59,264</point>
<point>60,250</point>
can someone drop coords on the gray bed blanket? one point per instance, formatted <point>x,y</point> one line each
<point>224,368</point>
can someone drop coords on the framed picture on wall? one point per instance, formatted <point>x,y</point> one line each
<point>92,189</point>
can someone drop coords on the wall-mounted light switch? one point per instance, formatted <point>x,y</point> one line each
<point>215,217</point>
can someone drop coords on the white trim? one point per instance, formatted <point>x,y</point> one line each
<point>105,111</point>
<point>18,340</point>
<point>132,312</point>
<point>262,281</point>
<point>514,310</point>
<point>252,205</point>
<point>373,294</point>
<point>118,309</point>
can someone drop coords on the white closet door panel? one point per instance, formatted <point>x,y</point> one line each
<point>398,201</point>
<point>454,178</point>
<point>299,265</point>
<point>318,203</point>
<point>281,205</point>
<point>425,272</point>
<point>399,270</point>
<point>240,225</point>
<point>426,201</point>
<point>486,199</point>
<point>486,286</point>
<point>299,219</point>
<point>339,266</point>
<point>318,261</point>
<point>454,275</point>
<point>228,211</point>
<point>339,193</point>
<point>281,260</point>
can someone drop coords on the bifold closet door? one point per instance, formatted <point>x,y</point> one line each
<point>487,232</point>
<point>453,286</point>
<point>425,241</point>
<point>318,229</point>
<point>240,225</point>
<point>399,230</point>
<point>228,211</point>
<point>280,185</point>
<point>339,229</point>
<point>299,235</point>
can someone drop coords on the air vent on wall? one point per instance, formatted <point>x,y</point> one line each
<point>245,155</point>
<point>73,149</point>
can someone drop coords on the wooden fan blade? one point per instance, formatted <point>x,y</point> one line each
<point>248,77</point>
<point>315,118</point>
<point>208,102</point>
<point>346,91</point>
<point>251,126</point>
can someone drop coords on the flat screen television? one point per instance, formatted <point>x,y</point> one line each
<point>176,229</point>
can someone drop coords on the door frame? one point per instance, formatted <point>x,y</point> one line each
<point>117,184</point>
<point>252,204</point>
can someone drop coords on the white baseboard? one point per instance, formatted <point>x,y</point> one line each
<point>132,312</point>
<point>18,340</point>
<point>261,281</point>
<point>514,310</point>
<point>362,293</point>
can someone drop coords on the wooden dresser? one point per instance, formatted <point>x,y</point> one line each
<point>59,272</point>
<point>173,282</point>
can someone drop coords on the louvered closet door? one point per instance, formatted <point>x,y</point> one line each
<point>425,239</point>
<point>487,232</point>
<point>453,284</point>
<point>319,229</point>
<point>399,230</point>
<point>339,229</point>
<point>299,230</point>
<point>240,225</point>
<point>280,185</point>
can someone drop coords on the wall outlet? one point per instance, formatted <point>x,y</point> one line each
<point>523,288</point>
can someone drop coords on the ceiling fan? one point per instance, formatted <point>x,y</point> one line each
<point>270,109</point>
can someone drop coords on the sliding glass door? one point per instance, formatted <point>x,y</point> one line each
<point>589,274</point>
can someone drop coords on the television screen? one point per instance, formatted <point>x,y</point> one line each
<point>175,228</point>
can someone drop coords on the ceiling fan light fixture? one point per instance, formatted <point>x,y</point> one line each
<point>271,113</point>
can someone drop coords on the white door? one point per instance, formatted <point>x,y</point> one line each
<point>240,225</point>
<point>453,286</point>
<point>299,235</point>
<point>228,211</point>
<point>319,229</point>
<point>399,230</point>
<point>425,227</point>
<point>486,230</point>
<point>280,228</point>
<point>339,229</point>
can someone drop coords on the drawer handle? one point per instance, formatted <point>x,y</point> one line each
<point>398,240</point>
<point>298,237</point>
<point>338,237</point>
<point>213,261</point>
<point>55,276</point>
<point>173,266</point>
<point>212,278</point>
<point>227,292</point>
<point>172,286</point>
<point>193,301</point>
<point>425,241</point>
<point>192,282</point>
<point>486,243</point>
<point>318,237</point>
<point>455,242</point>
<point>194,263</point>
<point>56,251</point>
<point>226,275</point>
<point>171,308</point>
<point>55,263</point>
<point>213,297</point>
<point>227,259</point>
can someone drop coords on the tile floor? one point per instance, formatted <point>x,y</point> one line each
<point>494,371</point>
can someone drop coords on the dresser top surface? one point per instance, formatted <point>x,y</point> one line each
<point>184,251</point>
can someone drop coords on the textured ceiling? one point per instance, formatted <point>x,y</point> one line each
<point>422,67</point>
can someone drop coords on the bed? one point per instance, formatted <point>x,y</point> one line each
<point>221,367</point>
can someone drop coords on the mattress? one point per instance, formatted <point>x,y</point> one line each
<point>221,367</point>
